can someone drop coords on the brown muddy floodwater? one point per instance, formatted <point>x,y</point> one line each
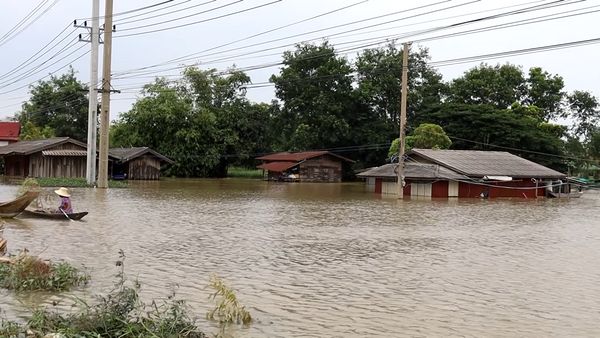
<point>330,260</point>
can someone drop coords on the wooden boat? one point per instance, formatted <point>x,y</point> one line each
<point>16,206</point>
<point>76,216</point>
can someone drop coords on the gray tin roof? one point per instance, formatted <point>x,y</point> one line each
<point>475,163</point>
<point>413,170</point>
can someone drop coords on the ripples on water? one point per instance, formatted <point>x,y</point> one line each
<point>329,260</point>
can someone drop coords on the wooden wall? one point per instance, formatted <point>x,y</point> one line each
<point>145,167</point>
<point>321,169</point>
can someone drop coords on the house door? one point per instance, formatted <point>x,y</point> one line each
<point>378,183</point>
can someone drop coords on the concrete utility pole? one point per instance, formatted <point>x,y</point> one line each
<point>106,89</point>
<point>403,120</point>
<point>93,96</point>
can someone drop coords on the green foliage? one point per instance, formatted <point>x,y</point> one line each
<point>30,132</point>
<point>57,106</point>
<point>585,110</point>
<point>26,272</point>
<point>121,313</point>
<point>425,136</point>
<point>242,172</point>
<point>481,127</point>
<point>501,86</point>
<point>228,309</point>
<point>203,122</point>
<point>29,184</point>
<point>67,182</point>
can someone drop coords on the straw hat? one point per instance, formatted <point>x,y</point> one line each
<point>63,192</point>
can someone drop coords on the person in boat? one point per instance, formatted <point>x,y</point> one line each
<point>65,200</point>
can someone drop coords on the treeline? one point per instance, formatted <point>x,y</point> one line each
<point>205,122</point>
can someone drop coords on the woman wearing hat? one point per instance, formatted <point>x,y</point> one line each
<point>65,200</point>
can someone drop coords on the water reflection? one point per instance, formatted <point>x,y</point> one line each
<point>330,260</point>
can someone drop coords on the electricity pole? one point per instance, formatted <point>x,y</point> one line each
<point>106,89</point>
<point>93,96</point>
<point>404,95</point>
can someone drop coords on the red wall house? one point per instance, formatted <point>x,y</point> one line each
<point>9,132</point>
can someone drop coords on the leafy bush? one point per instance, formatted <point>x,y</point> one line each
<point>26,272</point>
<point>228,309</point>
<point>118,314</point>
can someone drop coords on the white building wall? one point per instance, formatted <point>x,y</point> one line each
<point>420,189</point>
<point>452,189</point>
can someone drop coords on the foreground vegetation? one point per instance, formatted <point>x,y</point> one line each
<point>26,272</point>
<point>121,313</point>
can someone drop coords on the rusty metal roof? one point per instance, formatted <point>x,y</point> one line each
<point>30,147</point>
<point>64,152</point>
<point>413,170</point>
<point>300,156</point>
<point>474,163</point>
<point>278,166</point>
<point>9,131</point>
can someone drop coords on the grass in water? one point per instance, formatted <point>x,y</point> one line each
<point>241,172</point>
<point>121,313</point>
<point>228,309</point>
<point>27,272</point>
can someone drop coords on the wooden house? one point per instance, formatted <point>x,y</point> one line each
<point>137,163</point>
<point>467,173</point>
<point>9,132</point>
<point>308,166</point>
<point>53,157</point>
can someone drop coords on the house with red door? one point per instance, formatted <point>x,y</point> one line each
<point>9,132</point>
<point>306,166</point>
<point>467,173</point>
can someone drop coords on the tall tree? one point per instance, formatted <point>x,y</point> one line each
<point>585,111</point>
<point>315,88</point>
<point>425,136</point>
<point>59,103</point>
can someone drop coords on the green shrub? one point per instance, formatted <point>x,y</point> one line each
<point>26,272</point>
<point>241,172</point>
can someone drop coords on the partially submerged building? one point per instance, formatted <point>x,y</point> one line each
<point>307,166</point>
<point>53,157</point>
<point>467,173</point>
<point>137,163</point>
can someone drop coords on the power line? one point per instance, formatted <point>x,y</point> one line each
<point>196,22</point>
<point>6,40</point>
<point>120,21</point>
<point>139,9</point>
<point>22,22</point>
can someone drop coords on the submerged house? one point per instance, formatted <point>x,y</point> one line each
<point>53,157</point>
<point>307,166</point>
<point>137,163</point>
<point>467,173</point>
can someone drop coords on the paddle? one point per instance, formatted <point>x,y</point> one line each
<point>64,213</point>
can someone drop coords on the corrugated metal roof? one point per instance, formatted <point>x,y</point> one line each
<point>128,154</point>
<point>9,131</point>
<point>277,166</point>
<point>475,163</point>
<point>30,147</point>
<point>65,152</point>
<point>299,156</point>
<point>413,170</point>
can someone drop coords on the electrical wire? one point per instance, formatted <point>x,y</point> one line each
<point>22,22</point>
<point>29,24</point>
<point>137,10</point>
<point>123,22</point>
<point>195,22</point>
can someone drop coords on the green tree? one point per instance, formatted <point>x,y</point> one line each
<point>585,110</point>
<point>503,86</point>
<point>315,89</point>
<point>481,127</point>
<point>425,136</point>
<point>59,103</point>
<point>203,122</point>
<point>30,132</point>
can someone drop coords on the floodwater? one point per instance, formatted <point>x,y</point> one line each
<point>330,260</point>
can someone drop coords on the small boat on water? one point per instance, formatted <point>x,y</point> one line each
<point>75,216</point>
<point>16,206</point>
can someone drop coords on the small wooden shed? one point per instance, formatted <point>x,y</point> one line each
<point>137,163</point>
<point>307,166</point>
<point>53,157</point>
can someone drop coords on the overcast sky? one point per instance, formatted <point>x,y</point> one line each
<point>578,66</point>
